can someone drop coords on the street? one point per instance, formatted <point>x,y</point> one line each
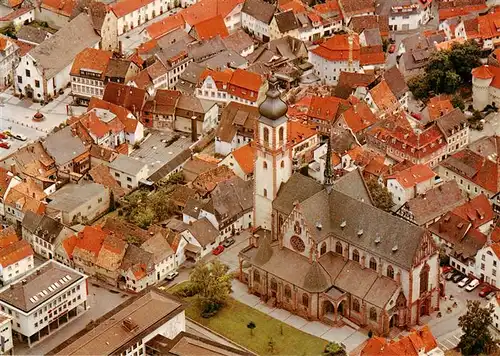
<point>100,300</point>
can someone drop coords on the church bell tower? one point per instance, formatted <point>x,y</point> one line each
<point>273,162</point>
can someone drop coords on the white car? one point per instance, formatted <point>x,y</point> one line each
<point>20,137</point>
<point>472,285</point>
<point>172,275</point>
<point>464,282</point>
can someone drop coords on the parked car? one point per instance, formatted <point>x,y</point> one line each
<point>3,136</point>
<point>485,291</point>
<point>416,116</point>
<point>472,285</point>
<point>464,281</point>
<point>448,276</point>
<point>228,242</point>
<point>491,295</point>
<point>171,276</point>
<point>4,145</point>
<point>447,269</point>
<point>20,137</point>
<point>457,277</point>
<point>392,48</point>
<point>218,250</point>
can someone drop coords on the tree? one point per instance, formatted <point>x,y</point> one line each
<point>382,198</point>
<point>334,349</point>
<point>476,338</point>
<point>464,57</point>
<point>212,282</point>
<point>163,205</point>
<point>419,86</point>
<point>458,102</point>
<point>251,325</point>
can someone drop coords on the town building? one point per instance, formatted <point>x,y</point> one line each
<point>44,71</point>
<point>128,172</point>
<point>406,15</point>
<point>316,254</point>
<point>16,257</point>
<point>44,300</point>
<point>241,161</point>
<point>485,86</point>
<point>483,29</point>
<point>340,53</point>
<point>7,345</point>
<point>88,74</point>
<point>77,203</point>
<point>23,197</point>
<point>163,254</point>
<point>9,59</point>
<point>131,14</point>
<point>44,234</point>
<point>256,16</point>
<point>409,183</point>
<point>195,116</point>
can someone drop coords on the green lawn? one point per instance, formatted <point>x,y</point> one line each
<point>232,322</point>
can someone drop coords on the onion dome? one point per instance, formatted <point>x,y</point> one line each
<point>273,107</point>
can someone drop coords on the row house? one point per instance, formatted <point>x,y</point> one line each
<point>131,13</point>
<point>487,262</point>
<point>159,111</point>
<point>175,60</point>
<point>228,10</point>
<point>44,234</point>
<point>455,128</point>
<point>381,100</point>
<point>72,162</point>
<point>54,295</point>
<point>407,16</point>
<point>240,86</point>
<point>256,16</point>
<point>195,116</point>
<point>241,161</point>
<point>16,257</point>
<point>9,58</point>
<point>201,236</point>
<point>484,29</point>
<point>23,197</point>
<point>44,71</point>
<point>420,147</point>
<point>358,118</point>
<point>355,9</point>
<point>474,173</point>
<point>88,74</point>
<point>163,254</point>
<point>340,53</point>
<point>409,183</point>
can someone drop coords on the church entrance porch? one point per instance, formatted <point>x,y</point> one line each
<point>333,306</point>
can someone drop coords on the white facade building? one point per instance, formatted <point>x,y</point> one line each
<point>9,58</point>
<point>128,172</point>
<point>409,16</point>
<point>407,184</point>
<point>487,265</point>
<point>132,13</point>
<point>52,295</point>
<point>7,342</point>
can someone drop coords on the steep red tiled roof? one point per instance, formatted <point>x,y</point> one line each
<point>211,28</point>
<point>125,7</point>
<point>69,245</point>
<point>337,48</point>
<point>460,11</point>
<point>245,157</point>
<point>168,24</point>
<point>478,211</point>
<point>414,175</point>
<point>383,97</point>
<point>439,106</point>
<point>247,80</point>
<point>298,132</point>
<point>206,9</point>
<point>324,108</point>
<point>371,55</point>
<point>61,7</point>
<point>7,236</point>
<point>496,249</point>
<point>359,117</point>
<point>90,239</point>
<point>15,252</point>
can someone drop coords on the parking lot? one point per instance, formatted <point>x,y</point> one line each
<point>445,328</point>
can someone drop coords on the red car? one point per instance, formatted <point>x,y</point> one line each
<point>447,269</point>
<point>3,136</point>
<point>4,145</point>
<point>485,291</point>
<point>416,116</point>
<point>218,250</point>
<point>392,48</point>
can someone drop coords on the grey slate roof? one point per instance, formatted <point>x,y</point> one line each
<point>259,10</point>
<point>203,231</point>
<point>32,34</point>
<point>353,185</point>
<point>57,52</point>
<point>297,188</point>
<point>222,59</point>
<point>396,81</point>
<point>63,146</point>
<point>43,226</point>
<point>452,122</point>
<point>363,225</point>
<point>232,197</point>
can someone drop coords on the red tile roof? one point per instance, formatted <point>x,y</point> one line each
<point>296,6</point>
<point>90,239</point>
<point>496,249</point>
<point>126,7</point>
<point>16,13</point>
<point>61,7</point>
<point>474,167</point>
<point>245,157</point>
<point>23,47</point>
<point>298,132</point>
<point>371,55</point>
<point>246,80</point>
<point>478,211</point>
<point>359,117</point>
<point>206,9</point>
<point>93,59</point>
<point>417,145</point>
<point>384,98</point>
<point>337,48</point>
<point>211,28</point>
<point>414,175</point>
<point>15,252</point>
<point>69,245</point>
<point>7,237</point>
<point>221,78</point>
<point>439,106</point>
<point>488,72</point>
<point>460,11</point>
<point>323,108</point>
<point>161,28</point>
<point>410,345</point>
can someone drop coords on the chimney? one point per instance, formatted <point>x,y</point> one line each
<point>24,282</point>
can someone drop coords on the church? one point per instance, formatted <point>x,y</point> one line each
<point>323,251</point>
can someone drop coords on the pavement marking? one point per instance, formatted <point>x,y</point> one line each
<point>455,336</point>
<point>443,347</point>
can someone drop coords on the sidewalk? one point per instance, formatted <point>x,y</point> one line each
<point>350,336</point>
